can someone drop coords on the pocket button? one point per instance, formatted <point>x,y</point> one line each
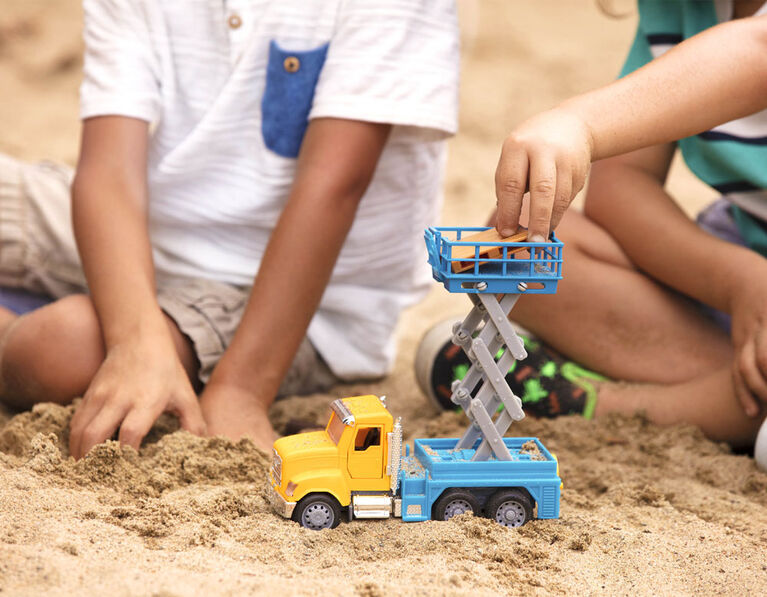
<point>292,64</point>
<point>235,21</point>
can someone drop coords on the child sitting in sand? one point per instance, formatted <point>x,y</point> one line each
<point>649,297</point>
<point>252,184</point>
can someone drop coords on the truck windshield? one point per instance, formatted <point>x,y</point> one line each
<point>335,428</point>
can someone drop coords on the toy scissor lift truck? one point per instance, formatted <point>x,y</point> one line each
<point>355,468</point>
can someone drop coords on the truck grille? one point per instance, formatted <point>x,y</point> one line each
<point>277,467</point>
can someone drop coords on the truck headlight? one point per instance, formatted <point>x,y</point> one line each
<point>277,467</point>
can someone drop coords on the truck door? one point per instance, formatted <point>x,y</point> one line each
<point>366,454</point>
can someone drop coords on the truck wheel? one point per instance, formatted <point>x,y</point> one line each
<point>317,512</point>
<point>454,502</point>
<point>509,507</point>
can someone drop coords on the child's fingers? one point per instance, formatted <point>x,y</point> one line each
<point>92,403</point>
<point>752,371</point>
<point>760,348</point>
<point>102,426</point>
<point>579,178</point>
<point>510,187</point>
<point>190,415</point>
<point>744,397</point>
<point>543,189</point>
<point>748,380</point>
<point>136,425</point>
<point>563,194</point>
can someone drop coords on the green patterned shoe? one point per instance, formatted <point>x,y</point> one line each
<point>547,383</point>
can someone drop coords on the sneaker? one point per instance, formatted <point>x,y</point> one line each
<point>547,383</point>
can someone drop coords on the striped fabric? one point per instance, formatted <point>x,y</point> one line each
<point>732,157</point>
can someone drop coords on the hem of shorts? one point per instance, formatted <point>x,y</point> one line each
<point>207,349</point>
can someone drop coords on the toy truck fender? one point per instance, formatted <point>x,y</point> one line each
<point>328,480</point>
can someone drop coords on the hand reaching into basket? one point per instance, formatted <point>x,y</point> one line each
<point>548,155</point>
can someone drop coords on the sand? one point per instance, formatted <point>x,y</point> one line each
<point>645,510</point>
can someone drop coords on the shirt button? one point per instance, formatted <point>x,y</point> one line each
<point>234,21</point>
<point>292,64</point>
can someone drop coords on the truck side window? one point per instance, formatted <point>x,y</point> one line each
<point>366,437</point>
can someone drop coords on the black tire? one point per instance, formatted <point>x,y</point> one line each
<point>509,507</point>
<point>454,502</point>
<point>317,512</point>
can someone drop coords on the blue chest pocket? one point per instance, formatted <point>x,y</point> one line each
<point>291,78</point>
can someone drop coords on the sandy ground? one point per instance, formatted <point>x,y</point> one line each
<point>645,510</point>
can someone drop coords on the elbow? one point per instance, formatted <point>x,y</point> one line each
<point>345,196</point>
<point>353,192</point>
<point>94,182</point>
<point>82,190</point>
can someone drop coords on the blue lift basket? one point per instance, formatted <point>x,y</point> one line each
<point>537,269</point>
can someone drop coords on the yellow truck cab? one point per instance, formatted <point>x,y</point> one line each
<point>350,455</point>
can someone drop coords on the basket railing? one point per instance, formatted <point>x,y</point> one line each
<point>517,260</point>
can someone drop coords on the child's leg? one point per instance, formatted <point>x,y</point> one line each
<point>706,401</point>
<point>612,318</point>
<point>6,317</point>
<point>52,353</point>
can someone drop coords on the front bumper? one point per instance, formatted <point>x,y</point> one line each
<point>282,506</point>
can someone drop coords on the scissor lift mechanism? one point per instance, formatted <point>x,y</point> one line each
<point>494,272</point>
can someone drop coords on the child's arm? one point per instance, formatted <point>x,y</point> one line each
<point>141,375</point>
<point>684,92</point>
<point>337,161</point>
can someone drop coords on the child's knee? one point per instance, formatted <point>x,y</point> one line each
<point>51,354</point>
<point>583,237</point>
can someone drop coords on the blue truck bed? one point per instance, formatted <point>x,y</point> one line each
<point>436,465</point>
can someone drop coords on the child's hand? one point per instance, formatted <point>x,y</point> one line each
<point>749,336</point>
<point>549,154</point>
<point>234,412</point>
<point>135,384</point>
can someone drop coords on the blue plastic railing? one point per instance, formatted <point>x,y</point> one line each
<point>534,271</point>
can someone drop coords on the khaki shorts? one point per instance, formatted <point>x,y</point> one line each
<point>38,254</point>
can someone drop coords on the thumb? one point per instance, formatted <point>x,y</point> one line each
<point>190,416</point>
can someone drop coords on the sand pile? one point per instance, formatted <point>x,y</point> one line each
<point>645,511</point>
<point>660,509</point>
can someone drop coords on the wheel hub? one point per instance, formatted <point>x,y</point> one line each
<point>510,514</point>
<point>318,516</point>
<point>456,507</point>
